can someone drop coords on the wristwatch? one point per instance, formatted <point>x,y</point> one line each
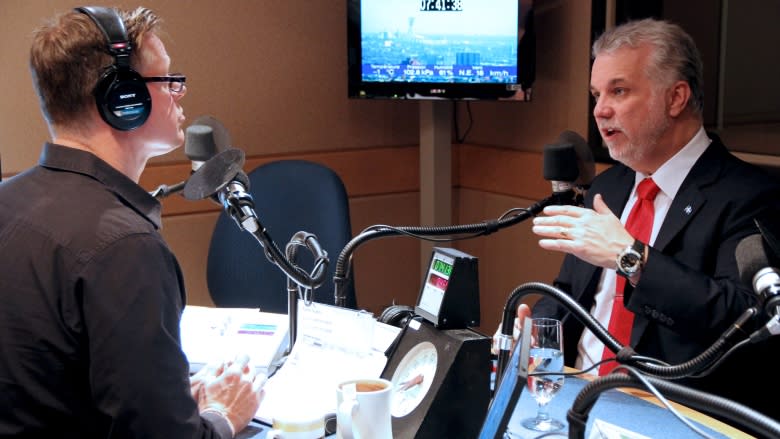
<point>631,260</point>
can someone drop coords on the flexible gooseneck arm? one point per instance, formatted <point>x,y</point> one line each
<point>344,261</point>
<point>165,190</point>
<point>239,205</point>
<point>739,414</point>
<point>625,354</point>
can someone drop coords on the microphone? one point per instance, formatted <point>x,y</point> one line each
<point>211,171</point>
<point>221,134</point>
<point>217,175</point>
<point>754,270</point>
<point>560,167</point>
<point>199,145</point>
<point>586,164</point>
<point>569,165</point>
<point>766,284</point>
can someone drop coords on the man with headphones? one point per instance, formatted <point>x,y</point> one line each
<point>90,294</point>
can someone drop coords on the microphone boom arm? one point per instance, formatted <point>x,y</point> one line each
<point>577,415</point>
<point>344,261</point>
<point>164,190</point>
<point>240,206</point>
<point>626,356</point>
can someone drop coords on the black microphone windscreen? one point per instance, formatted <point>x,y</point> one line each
<point>751,257</point>
<point>199,143</point>
<point>560,163</point>
<point>768,225</point>
<point>215,174</point>
<point>585,161</point>
<point>221,135</point>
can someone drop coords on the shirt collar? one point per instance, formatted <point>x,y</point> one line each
<point>77,161</point>
<point>669,177</point>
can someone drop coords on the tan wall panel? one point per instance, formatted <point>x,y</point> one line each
<point>502,170</point>
<point>387,270</point>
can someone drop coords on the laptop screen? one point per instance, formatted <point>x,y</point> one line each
<point>513,381</point>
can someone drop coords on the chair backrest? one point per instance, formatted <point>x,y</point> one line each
<point>289,196</point>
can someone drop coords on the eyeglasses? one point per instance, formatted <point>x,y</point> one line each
<point>175,82</point>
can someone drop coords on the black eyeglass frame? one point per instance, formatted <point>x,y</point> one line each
<point>170,79</point>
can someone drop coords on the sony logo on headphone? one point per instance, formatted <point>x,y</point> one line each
<point>129,95</point>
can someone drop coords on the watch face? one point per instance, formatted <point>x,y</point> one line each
<point>628,262</point>
<point>413,377</point>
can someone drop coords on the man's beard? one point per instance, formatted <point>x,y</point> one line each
<point>642,143</point>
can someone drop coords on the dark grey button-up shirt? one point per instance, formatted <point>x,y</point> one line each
<point>90,301</point>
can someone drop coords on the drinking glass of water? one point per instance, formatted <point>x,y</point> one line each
<point>546,355</point>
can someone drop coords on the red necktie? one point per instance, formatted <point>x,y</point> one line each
<point>640,226</point>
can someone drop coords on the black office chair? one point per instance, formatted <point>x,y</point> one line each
<point>289,196</point>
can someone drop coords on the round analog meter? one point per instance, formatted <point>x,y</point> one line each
<point>413,378</point>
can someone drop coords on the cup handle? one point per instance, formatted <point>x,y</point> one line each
<point>347,410</point>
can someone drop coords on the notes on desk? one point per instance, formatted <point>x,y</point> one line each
<point>602,429</point>
<point>333,345</point>
<point>219,334</point>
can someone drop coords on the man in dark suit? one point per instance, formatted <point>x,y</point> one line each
<point>679,279</point>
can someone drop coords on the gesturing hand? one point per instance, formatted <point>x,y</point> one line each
<point>594,235</point>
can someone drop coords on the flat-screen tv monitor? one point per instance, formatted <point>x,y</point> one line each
<point>441,49</point>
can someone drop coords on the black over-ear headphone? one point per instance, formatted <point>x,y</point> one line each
<point>122,97</point>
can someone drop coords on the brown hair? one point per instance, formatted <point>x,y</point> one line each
<point>69,54</point>
<point>675,56</point>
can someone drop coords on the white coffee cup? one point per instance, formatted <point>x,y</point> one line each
<point>297,426</point>
<point>364,409</point>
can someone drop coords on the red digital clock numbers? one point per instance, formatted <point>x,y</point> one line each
<point>438,282</point>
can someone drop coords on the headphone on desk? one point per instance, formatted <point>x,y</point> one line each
<point>121,95</point>
<point>396,315</point>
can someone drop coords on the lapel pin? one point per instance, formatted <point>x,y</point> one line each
<point>688,209</point>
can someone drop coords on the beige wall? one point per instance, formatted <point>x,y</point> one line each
<point>274,72</point>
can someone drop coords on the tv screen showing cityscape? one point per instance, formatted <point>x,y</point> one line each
<point>439,40</point>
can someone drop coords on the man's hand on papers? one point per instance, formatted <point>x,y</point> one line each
<point>232,388</point>
<point>204,375</point>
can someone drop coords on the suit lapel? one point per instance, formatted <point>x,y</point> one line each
<point>689,199</point>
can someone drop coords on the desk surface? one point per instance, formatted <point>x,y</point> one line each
<point>631,409</point>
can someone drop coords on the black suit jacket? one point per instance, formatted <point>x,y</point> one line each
<point>690,290</point>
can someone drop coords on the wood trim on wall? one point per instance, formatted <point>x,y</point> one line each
<point>365,172</point>
<point>390,170</point>
<point>381,171</point>
<point>385,170</point>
